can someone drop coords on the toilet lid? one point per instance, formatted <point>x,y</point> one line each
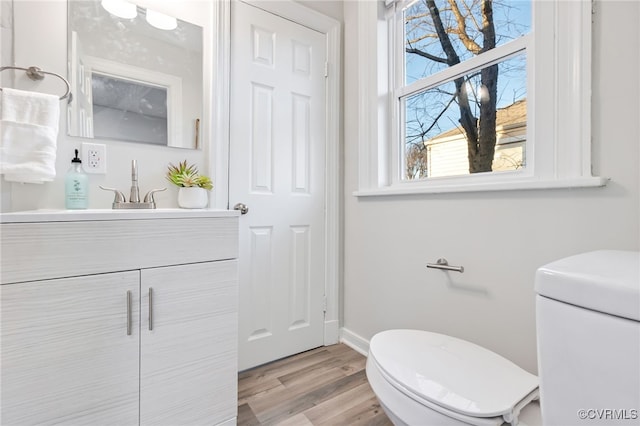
<point>452,373</point>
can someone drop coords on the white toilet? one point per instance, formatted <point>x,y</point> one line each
<point>588,323</point>
<point>588,313</point>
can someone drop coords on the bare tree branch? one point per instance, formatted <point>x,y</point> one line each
<point>472,16</point>
<point>416,16</point>
<point>423,37</point>
<point>435,121</point>
<point>447,47</point>
<point>471,45</point>
<point>425,55</point>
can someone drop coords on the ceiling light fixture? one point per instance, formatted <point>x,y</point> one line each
<point>161,21</point>
<point>120,8</point>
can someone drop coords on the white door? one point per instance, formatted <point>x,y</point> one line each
<point>277,168</point>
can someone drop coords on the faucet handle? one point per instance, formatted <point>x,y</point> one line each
<point>149,197</point>
<point>119,196</point>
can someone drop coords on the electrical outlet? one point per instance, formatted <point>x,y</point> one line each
<point>94,158</point>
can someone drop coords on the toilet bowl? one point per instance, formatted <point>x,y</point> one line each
<point>425,378</point>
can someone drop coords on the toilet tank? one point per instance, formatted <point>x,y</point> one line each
<point>588,329</point>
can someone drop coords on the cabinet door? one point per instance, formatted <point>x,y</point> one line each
<point>66,354</point>
<point>188,358</point>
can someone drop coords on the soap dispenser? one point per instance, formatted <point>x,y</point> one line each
<point>76,186</point>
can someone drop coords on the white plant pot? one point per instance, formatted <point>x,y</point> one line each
<point>193,197</point>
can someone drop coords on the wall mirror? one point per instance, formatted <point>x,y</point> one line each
<point>136,74</point>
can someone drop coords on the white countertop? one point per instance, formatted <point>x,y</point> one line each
<point>109,214</point>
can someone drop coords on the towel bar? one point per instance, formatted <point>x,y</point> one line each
<point>443,264</point>
<point>35,73</point>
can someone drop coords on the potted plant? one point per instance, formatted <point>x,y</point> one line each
<point>193,186</point>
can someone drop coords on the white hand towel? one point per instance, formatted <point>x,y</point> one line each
<point>28,136</point>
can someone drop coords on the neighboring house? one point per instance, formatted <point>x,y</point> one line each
<point>447,152</point>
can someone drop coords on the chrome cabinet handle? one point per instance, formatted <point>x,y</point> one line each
<point>150,308</point>
<point>128,312</point>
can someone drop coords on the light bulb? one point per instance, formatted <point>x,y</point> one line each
<point>120,8</point>
<point>161,21</point>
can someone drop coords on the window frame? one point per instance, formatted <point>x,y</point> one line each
<point>558,148</point>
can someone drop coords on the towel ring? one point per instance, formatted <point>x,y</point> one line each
<point>35,73</point>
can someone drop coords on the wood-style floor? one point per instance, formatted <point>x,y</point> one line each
<point>324,386</point>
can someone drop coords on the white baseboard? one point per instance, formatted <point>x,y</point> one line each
<point>331,332</point>
<point>354,341</point>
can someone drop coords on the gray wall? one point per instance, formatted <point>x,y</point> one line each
<point>500,237</point>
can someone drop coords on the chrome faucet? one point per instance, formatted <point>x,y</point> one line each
<point>134,197</point>
<point>119,202</point>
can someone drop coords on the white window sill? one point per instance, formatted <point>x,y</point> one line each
<point>409,188</point>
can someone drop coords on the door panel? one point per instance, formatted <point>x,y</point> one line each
<point>277,168</point>
<point>66,354</point>
<point>189,338</point>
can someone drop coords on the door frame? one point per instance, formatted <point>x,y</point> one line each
<point>218,149</point>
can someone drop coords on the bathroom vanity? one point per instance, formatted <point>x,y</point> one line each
<point>119,317</point>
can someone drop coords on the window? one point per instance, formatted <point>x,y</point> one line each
<point>125,102</point>
<point>462,89</point>
<point>128,110</point>
<point>474,95</point>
